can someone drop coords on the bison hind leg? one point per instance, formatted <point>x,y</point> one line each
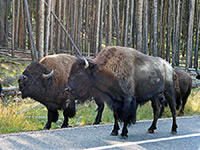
<point>171,101</point>
<point>100,109</point>
<point>156,111</point>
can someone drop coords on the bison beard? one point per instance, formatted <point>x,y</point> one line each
<point>123,78</point>
<point>45,82</point>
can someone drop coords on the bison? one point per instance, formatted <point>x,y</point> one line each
<point>45,82</point>
<point>183,86</point>
<point>123,77</point>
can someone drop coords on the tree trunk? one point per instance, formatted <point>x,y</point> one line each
<point>79,24</point>
<point>17,24</point>
<point>2,34</point>
<point>34,52</point>
<point>177,34</point>
<point>197,36</point>
<point>168,32</point>
<point>117,21</point>
<point>101,24</point>
<point>161,30</point>
<point>13,27</point>
<point>109,22</point>
<point>59,10</point>
<point>63,36</point>
<point>52,27</point>
<point>139,25</point>
<point>40,29</point>
<point>22,28</point>
<point>190,34</point>
<point>173,34</point>
<point>155,27</point>
<point>146,27</point>
<point>47,26</point>
<point>97,26</point>
<point>126,23</point>
<point>86,24</point>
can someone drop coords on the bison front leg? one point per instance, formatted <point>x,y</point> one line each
<point>156,111</point>
<point>128,108</point>
<point>52,117</point>
<point>116,125</point>
<point>124,134</point>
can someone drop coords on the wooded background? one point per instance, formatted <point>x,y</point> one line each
<point>164,28</point>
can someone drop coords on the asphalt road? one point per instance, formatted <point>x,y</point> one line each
<point>98,137</point>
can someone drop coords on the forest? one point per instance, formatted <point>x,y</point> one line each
<point>164,28</point>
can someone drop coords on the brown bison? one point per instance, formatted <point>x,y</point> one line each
<point>183,86</point>
<point>45,82</point>
<point>123,78</point>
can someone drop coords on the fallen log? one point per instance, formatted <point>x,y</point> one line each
<point>196,85</point>
<point>8,89</point>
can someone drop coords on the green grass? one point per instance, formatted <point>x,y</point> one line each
<point>13,118</point>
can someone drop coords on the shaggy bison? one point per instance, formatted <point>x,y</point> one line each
<point>123,78</point>
<point>183,87</point>
<point>45,82</point>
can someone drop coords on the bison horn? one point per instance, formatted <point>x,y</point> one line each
<point>47,76</point>
<point>86,63</point>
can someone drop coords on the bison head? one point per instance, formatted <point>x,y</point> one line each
<point>35,80</point>
<point>80,78</point>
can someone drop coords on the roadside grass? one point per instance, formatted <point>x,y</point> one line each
<point>13,115</point>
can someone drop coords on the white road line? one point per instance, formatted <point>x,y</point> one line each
<point>144,142</point>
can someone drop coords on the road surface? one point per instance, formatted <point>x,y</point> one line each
<point>97,137</point>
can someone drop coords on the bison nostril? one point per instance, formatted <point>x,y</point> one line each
<point>23,78</point>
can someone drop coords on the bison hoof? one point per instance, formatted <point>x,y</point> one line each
<point>46,128</point>
<point>96,123</point>
<point>64,126</point>
<point>124,137</point>
<point>180,113</point>
<point>114,133</point>
<point>150,131</point>
<point>173,132</point>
